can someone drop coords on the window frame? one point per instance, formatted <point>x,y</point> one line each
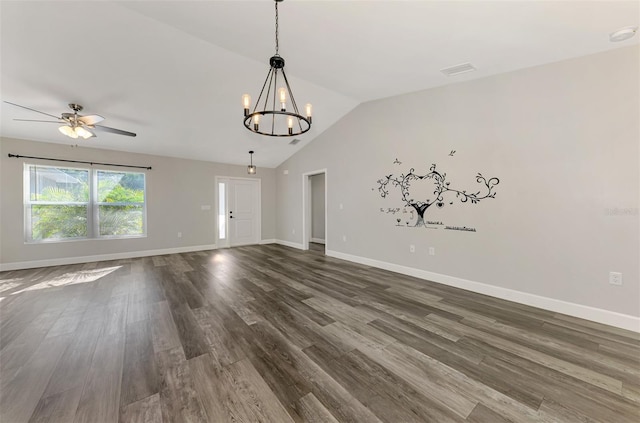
<point>92,205</point>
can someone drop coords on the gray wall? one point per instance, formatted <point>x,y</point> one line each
<point>563,139</point>
<point>317,206</point>
<point>176,190</point>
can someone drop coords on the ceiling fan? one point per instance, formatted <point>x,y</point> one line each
<point>75,125</point>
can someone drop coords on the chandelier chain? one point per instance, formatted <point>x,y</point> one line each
<point>277,44</point>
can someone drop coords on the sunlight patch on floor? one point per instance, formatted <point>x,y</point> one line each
<point>7,284</point>
<point>71,278</point>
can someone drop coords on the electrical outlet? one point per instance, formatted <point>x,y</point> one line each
<point>179,234</point>
<point>615,278</point>
<point>344,238</point>
<point>341,206</point>
<point>293,231</point>
<point>432,251</point>
<point>412,248</point>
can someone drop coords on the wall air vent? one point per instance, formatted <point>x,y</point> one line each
<point>458,69</point>
<point>295,141</point>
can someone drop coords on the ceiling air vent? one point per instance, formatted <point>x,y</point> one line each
<point>458,69</point>
<point>295,141</point>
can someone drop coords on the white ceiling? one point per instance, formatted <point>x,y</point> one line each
<point>174,71</point>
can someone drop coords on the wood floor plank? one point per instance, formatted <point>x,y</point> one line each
<point>57,408</point>
<point>179,400</point>
<point>219,403</point>
<point>146,410</point>
<point>482,414</point>
<point>100,399</point>
<point>190,333</point>
<point>254,393</point>
<point>140,376</point>
<point>312,411</point>
<point>163,329</point>
<point>116,315</point>
<point>563,414</point>
<point>224,348</point>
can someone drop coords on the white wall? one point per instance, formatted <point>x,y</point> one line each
<point>176,190</point>
<point>317,207</point>
<point>563,139</point>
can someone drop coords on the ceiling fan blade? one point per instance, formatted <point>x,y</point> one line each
<point>33,110</point>
<point>115,131</point>
<point>44,121</point>
<point>90,119</point>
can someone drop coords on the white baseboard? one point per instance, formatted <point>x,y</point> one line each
<point>267,241</point>
<point>289,244</point>
<point>101,257</point>
<point>317,240</point>
<point>606,317</point>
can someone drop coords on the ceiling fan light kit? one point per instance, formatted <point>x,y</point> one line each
<point>76,132</point>
<point>279,115</point>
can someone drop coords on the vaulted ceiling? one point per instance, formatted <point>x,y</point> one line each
<point>174,71</point>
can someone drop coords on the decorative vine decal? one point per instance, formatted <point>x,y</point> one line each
<point>442,189</point>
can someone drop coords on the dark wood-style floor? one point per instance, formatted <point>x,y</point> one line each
<point>272,334</point>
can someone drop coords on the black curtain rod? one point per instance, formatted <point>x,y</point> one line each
<point>79,161</point>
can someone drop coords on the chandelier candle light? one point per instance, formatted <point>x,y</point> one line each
<point>284,120</point>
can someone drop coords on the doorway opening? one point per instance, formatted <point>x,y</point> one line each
<point>314,216</point>
<point>238,211</point>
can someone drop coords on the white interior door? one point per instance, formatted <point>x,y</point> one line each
<point>239,212</point>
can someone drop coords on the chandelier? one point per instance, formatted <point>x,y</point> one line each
<point>276,113</point>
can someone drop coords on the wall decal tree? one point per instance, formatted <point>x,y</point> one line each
<point>404,182</point>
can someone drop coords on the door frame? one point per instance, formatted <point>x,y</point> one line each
<point>306,208</point>
<point>217,180</point>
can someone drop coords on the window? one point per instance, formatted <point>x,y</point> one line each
<point>120,203</point>
<point>69,203</point>
<point>57,203</point>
